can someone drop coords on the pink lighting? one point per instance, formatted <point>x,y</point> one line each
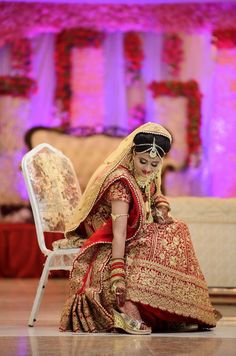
<point>103,90</point>
<point>222,141</point>
<point>39,17</point>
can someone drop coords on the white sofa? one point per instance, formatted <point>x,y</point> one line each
<point>212,221</point>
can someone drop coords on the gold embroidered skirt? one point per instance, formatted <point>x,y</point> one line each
<point>163,275</point>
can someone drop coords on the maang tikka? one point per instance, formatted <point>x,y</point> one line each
<point>153,152</point>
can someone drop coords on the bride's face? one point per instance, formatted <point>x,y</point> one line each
<point>144,165</point>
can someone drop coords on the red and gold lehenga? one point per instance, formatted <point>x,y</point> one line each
<point>163,277</point>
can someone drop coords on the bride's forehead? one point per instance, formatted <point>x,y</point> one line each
<point>147,156</point>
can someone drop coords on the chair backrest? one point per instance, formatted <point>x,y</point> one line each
<point>53,189</point>
<point>86,153</point>
<point>82,150</point>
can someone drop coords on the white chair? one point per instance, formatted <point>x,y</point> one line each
<point>54,195</point>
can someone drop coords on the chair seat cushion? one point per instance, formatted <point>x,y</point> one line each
<point>72,242</point>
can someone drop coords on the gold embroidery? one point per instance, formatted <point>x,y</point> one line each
<point>119,191</point>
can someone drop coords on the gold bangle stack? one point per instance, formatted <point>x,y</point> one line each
<point>117,272</point>
<point>162,201</point>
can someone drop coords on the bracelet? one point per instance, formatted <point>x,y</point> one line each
<point>117,272</point>
<point>165,204</point>
<point>162,201</point>
<point>117,259</point>
<point>116,216</point>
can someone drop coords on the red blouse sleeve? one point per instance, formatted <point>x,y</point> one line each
<point>119,191</point>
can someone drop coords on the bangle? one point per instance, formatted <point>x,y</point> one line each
<point>117,272</point>
<point>116,216</point>
<point>115,259</point>
<point>165,204</point>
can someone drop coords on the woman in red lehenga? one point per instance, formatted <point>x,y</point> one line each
<point>137,270</point>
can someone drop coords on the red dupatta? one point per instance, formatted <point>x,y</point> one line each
<point>136,214</point>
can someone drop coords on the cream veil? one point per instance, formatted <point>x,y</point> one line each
<point>118,156</point>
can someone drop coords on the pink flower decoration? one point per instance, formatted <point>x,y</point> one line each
<point>17,86</point>
<point>20,20</point>
<point>224,38</point>
<point>173,53</point>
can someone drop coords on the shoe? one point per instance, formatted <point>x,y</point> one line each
<point>129,325</point>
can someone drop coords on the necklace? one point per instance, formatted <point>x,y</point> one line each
<point>144,184</point>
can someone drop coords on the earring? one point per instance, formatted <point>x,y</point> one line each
<point>131,165</point>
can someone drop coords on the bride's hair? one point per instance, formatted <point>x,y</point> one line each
<point>144,142</point>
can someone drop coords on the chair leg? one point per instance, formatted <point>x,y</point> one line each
<point>40,290</point>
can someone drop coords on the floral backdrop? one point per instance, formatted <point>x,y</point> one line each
<point>35,18</point>
<point>116,67</point>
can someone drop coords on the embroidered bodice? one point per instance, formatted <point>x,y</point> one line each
<point>101,212</point>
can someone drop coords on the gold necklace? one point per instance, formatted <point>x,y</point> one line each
<point>145,186</point>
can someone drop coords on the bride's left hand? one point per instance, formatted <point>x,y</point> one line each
<point>164,218</point>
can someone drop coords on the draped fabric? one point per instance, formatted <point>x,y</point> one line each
<point>222,150</point>
<point>5,60</point>
<point>87,84</point>
<point>17,114</point>
<point>20,256</point>
<point>114,90</point>
<point>153,67</point>
<point>199,65</point>
<point>43,71</point>
<point>171,112</point>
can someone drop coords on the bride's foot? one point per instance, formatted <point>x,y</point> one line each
<point>129,325</point>
<point>144,327</point>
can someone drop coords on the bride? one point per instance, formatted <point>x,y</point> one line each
<point>136,271</point>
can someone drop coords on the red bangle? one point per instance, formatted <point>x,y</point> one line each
<point>118,275</point>
<point>117,265</point>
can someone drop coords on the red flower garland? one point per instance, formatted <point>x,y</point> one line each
<point>173,53</point>
<point>134,54</point>
<point>17,86</point>
<point>65,41</point>
<point>133,51</point>
<point>190,90</point>
<point>224,38</point>
<point>21,57</point>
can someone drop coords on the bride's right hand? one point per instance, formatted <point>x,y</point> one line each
<point>120,293</point>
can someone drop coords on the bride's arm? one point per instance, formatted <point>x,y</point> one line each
<point>119,227</point>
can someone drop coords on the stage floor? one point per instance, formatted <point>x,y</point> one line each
<point>16,338</point>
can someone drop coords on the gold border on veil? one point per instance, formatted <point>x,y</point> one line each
<point>117,157</point>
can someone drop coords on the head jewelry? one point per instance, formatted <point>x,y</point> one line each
<point>153,151</point>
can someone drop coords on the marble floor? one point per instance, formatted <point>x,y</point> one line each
<point>16,338</point>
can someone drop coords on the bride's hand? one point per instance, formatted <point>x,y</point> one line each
<point>169,220</point>
<point>120,294</point>
<point>164,218</point>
